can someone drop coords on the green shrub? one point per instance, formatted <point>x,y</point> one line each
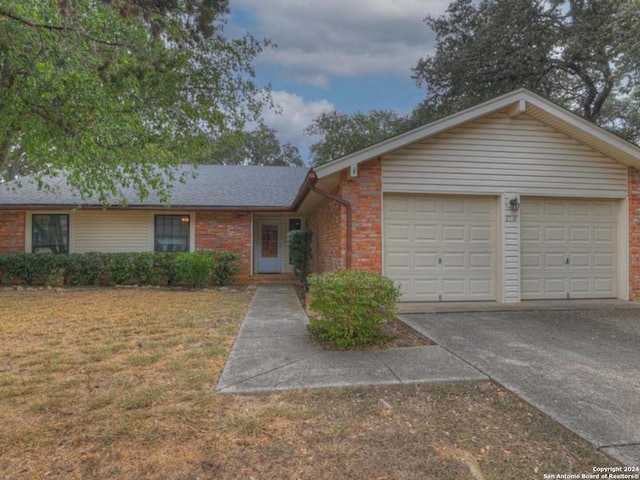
<point>225,268</point>
<point>85,268</point>
<point>353,305</point>
<point>300,254</point>
<point>164,267</point>
<point>142,268</point>
<point>30,268</point>
<point>195,269</point>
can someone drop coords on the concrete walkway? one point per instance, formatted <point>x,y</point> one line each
<point>273,351</point>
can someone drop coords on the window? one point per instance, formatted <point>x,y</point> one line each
<point>50,233</point>
<point>171,233</point>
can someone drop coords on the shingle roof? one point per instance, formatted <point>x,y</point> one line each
<point>225,186</point>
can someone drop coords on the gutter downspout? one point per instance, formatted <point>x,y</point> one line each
<point>313,179</point>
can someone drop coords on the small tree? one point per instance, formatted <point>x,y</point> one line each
<point>300,254</point>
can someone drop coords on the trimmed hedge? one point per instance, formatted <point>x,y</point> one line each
<point>353,305</point>
<point>143,268</point>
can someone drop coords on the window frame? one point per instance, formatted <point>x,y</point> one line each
<point>50,247</point>
<point>188,233</point>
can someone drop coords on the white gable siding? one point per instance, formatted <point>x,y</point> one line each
<point>112,231</point>
<point>500,153</point>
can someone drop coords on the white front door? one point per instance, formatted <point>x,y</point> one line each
<point>568,248</point>
<point>269,247</point>
<point>441,248</point>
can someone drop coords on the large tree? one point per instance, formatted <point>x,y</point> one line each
<point>115,93</point>
<point>582,54</point>
<point>341,133</point>
<point>259,146</point>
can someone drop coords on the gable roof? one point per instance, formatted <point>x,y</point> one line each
<point>214,186</point>
<point>516,102</point>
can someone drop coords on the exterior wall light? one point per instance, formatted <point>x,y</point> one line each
<point>514,204</point>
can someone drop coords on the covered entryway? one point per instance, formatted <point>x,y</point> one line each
<point>441,248</point>
<point>568,248</point>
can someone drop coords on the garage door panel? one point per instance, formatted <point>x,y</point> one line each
<point>454,260</point>
<point>604,260</point>
<point>579,235</point>
<point>530,233</point>
<point>480,260</point>
<point>580,231</point>
<point>398,260</point>
<point>604,235</point>
<point>578,260</point>
<point>453,233</point>
<point>422,260</point>
<point>555,235</point>
<point>480,234</point>
<point>426,233</point>
<point>603,285</point>
<point>425,289</point>
<point>450,250</point>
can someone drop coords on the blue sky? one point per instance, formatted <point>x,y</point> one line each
<point>349,55</point>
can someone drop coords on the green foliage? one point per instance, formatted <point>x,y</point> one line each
<point>342,133</point>
<point>205,268</point>
<point>257,147</point>
<point>142,268</point>
<point>353,306</point>
<point>583,55</point>
<point>114,94</point>
<point>300,254</point>
<point>23,266</point>
<point>225,268</point>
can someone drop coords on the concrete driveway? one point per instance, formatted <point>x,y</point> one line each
<point>580,367</point>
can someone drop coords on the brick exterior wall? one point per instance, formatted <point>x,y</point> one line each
<point>364,192</point>
<point>12,231</point>
<point>226,231</point>
<point>328,223</point>
<point>633,176</point>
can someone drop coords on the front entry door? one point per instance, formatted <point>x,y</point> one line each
<point>269,251</point>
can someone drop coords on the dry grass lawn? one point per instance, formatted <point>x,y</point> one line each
<point>119,383</point>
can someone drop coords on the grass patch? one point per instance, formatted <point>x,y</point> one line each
<point>119,384</point>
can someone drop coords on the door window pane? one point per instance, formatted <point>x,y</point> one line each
<point>269,241</point>
<point>171,233</point>
<point>50,233</point>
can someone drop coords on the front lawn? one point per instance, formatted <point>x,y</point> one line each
<point>120,383</point>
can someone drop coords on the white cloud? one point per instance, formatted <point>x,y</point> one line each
<point>322,38</point>
<point>293,115</point>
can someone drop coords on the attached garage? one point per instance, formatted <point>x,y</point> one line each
<point>568,248</point>
<point>441,247</point>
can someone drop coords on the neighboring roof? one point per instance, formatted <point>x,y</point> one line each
<point>517,102</point>
<point>214,186</point>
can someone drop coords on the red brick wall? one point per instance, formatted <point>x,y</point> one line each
<point>226,231</point>
<point>12,231</point>
<point>633,176</point>
<point>364,192</point>
<point>328,223</point>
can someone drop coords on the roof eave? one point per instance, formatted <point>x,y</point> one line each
<point>624,151</point>
<point>225,208</point>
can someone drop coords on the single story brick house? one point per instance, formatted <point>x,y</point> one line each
<point>514,199</point>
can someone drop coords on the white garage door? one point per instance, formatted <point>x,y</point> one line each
<point>441,248</point>
<point>568,248</point>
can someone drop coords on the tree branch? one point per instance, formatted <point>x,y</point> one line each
<point>10,14</point>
